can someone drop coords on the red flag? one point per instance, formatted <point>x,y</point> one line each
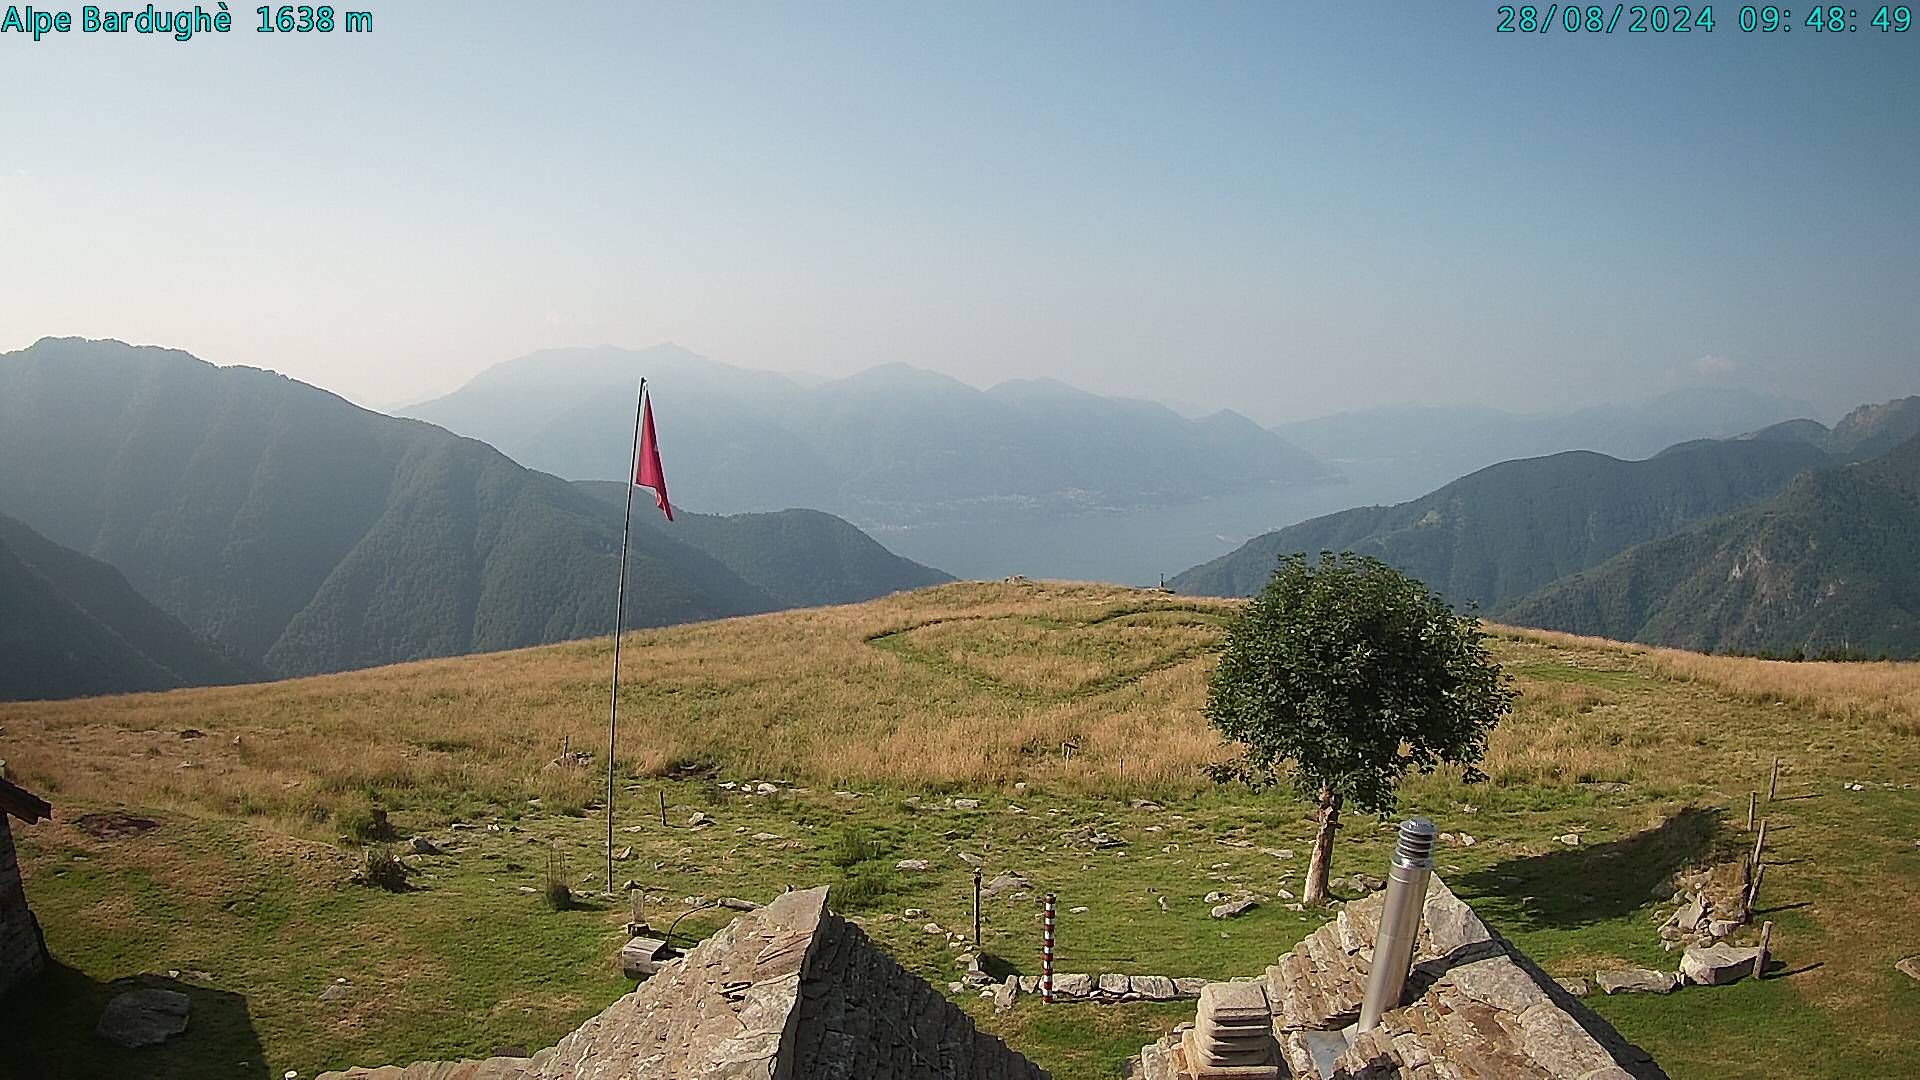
<point>650,474</point>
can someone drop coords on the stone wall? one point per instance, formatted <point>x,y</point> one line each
<point>863,1015</point>
<point>788,992</point>
<point>23,952</point>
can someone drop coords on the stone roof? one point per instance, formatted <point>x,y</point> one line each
<point>787,992</point>
<point>22,803</point>
<point>1475,1008</point>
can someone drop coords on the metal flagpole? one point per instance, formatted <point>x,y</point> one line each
<point>619,617</point>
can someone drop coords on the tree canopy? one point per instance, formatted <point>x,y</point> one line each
<point>1343,675</point>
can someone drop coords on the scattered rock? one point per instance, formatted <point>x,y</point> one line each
<point>699,819</point>
<point>1154,987</point>
<point>1636,981</point>
<point>913,864</point>
<point>1164,906</point>
<point>143,1017</point>
<point>1719,929</point>
<point>1717,965</point>
<point>1077,911</point>
<point>971,859</point>
<point>1692,914</point>
<point>335,992</point>
<point>934,928</point>
<point>1910,967</point>
<point>1214,897</point>
<point>1569,839</point>
<point>966,804</point>
<point>764,788</point>
<point>765,837</point>
<point>1006,994</point>
<point>734,903</point>
<point>1072,986</point>
<point>1234,907</point>
<point>913,913</point>
<point>424,846</point>
<point>1189,987</point>
<point>1576,987</point>
<point>192,733</point>
<point>1366,883</point>
<point>1004,882</point>
<point>1278,853</point>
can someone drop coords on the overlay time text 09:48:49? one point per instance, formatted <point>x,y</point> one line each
<point>1684,19</point>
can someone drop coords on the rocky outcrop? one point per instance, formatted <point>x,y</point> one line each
<point>1475,1008</point>
<point>786,992</point>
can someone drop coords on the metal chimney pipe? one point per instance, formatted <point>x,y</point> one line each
<point>1407,878</point>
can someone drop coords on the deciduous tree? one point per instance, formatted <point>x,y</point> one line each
<point>1343,675</point>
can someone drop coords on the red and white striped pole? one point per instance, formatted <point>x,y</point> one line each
<point>1046,955</point>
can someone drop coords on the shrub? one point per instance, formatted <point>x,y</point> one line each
<point>862,889</point>
<point>852,846</point>
<point>361,820</point>
<point>382,869</point>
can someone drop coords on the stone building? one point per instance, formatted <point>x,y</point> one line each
<point>1474,1008</point>
<point>787,992</point>
<point>23,951</point>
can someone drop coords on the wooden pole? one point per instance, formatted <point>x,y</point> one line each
<point>976,910</point>
<point>1773,781</point>
<point>1753,808</point>
<point>1753,892</point>
<point>663,808</point>
<point>1766,943</point>
<point>1759,849</point>
<point>620,617</point>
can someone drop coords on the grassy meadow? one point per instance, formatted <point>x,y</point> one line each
<point>1012,721</point>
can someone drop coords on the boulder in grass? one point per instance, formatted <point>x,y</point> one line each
<point>1910,967</point>
<point>1636,981</point>
<point>1717,965</point>
<point>144,1017</point>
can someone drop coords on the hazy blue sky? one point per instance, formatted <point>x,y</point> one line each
<point>1289,208</point>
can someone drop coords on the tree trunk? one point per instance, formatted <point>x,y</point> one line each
<point>1322,862</point>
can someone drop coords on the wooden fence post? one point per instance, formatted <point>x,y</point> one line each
<point>1753,808</point>
<point>1773,782</point>
<point>976,910</point>
<point>1766,942</point>
<point>663,808</point>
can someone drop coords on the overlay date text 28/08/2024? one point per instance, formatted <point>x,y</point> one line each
<point>1686,19</point>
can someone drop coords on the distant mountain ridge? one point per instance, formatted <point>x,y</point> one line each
<point>74,627</point>
<point>1867,431</point>
<point>892,444</point>
<point>307,534</point>
<point>801,558</point>
<point>1415,448</point>
<point>1831,563</point>
<point>1511,528</point>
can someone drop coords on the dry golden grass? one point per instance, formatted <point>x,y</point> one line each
<point>1883,692</point>
<point>1084,688</point>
